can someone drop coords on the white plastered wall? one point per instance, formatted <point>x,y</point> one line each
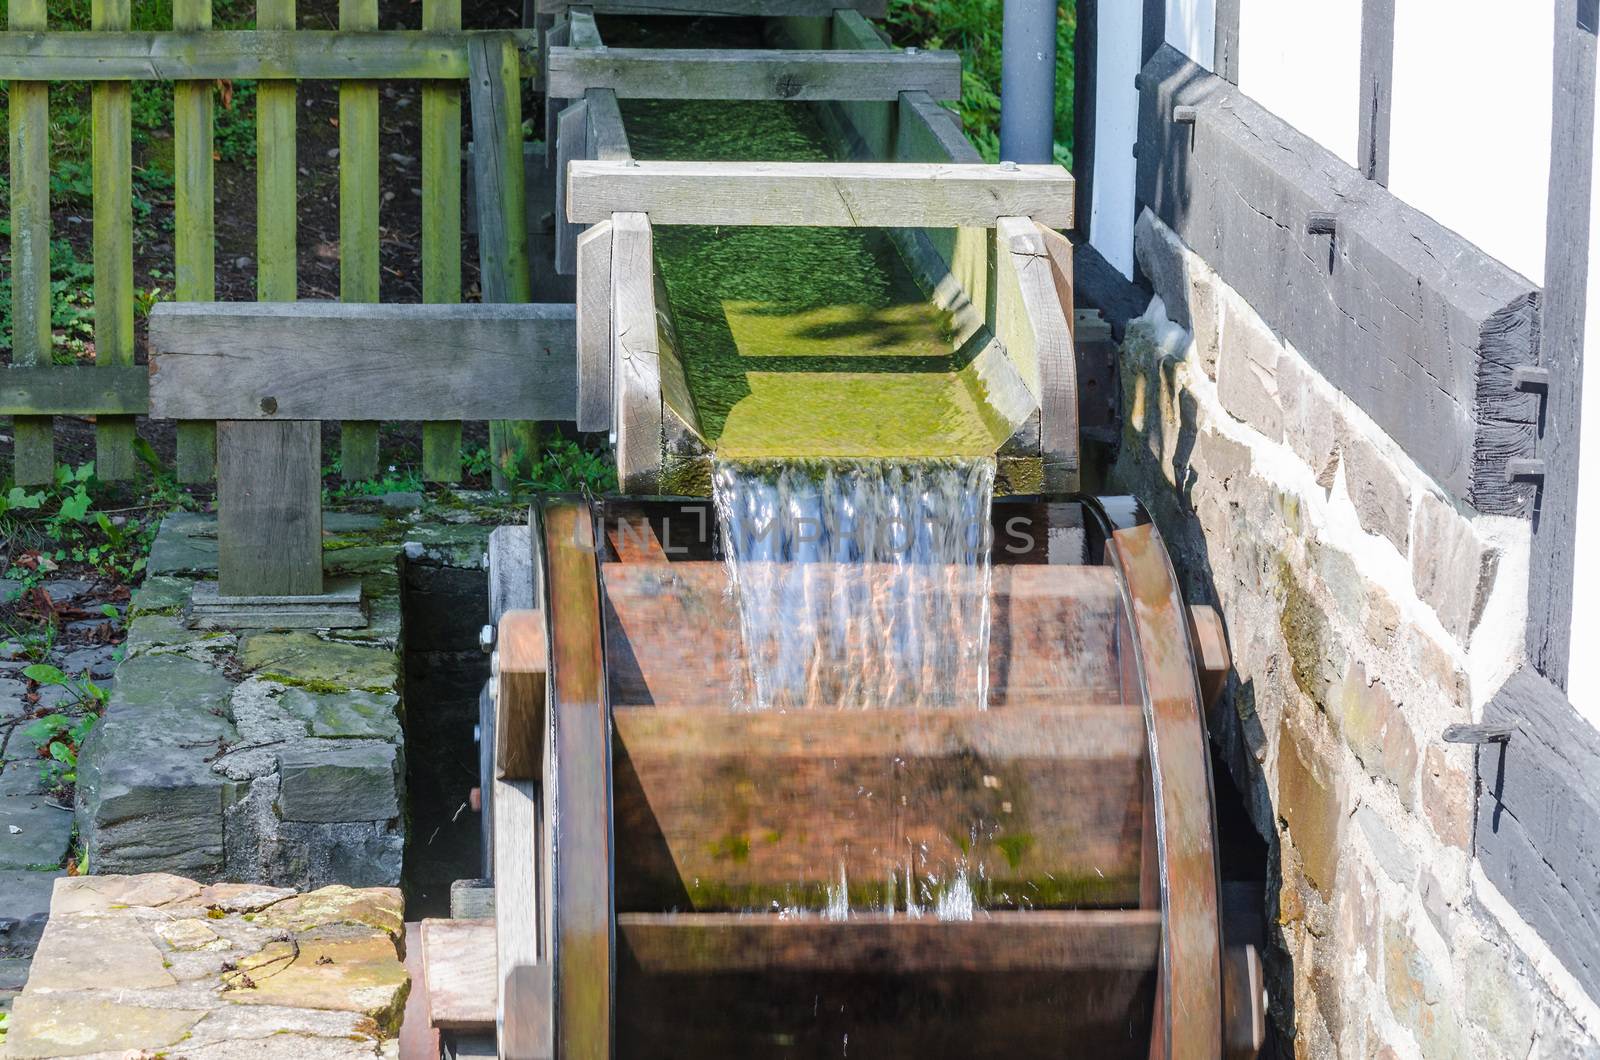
<point>1583,674</point>
<point>1116,128</point>
<point>1301,59</point>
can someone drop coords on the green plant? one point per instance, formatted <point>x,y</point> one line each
<point>60,736</point>
<point>60,525</point>
<point>562,466</point>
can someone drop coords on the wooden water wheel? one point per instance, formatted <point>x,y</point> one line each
<point>662,859</point>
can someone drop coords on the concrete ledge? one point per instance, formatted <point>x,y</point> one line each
<point>1416,325</point>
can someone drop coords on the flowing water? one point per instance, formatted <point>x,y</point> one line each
<point>860,584</point>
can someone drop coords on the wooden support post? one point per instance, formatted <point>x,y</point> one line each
<point>595,382</point>
<point>572,144</point>
<point>502,215</point>
<point>111,110</point>
<point>34,450</point>
<point>1035,325</point>
<point>636,354</point>
<point>358,223</point>
<point>269,475</point>
<point>441,227</point>
<point>193,234</point>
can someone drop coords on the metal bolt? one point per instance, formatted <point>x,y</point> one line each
<point>477,733</point>
<point>484,561</point>
<point>1322,224</point>
<point>1484,733</point>
<point>494,664</point>
<point>486,639</point>
<point>913,51</point>
<point>1008,167</point>
<point>1530,379</point>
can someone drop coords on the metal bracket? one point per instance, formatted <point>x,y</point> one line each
<point>1322,224</point>
<point>1531,379</point>
<point>1184,115</point>
<point>1525,469</point>
<point>1479,734</point>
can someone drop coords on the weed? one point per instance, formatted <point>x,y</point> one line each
<point>60,736</point>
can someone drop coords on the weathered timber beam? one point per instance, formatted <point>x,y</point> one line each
<point>331,361</point>
<point>53,390</point>
<point>636,353</point>
<point>881,944</point>
<point>769,8</point>
<point>699,73</point>
<point>1033,315</point>
<point>827,194</point>
<point>247,55</point>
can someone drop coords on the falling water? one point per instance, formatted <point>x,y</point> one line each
<point>862,584</point>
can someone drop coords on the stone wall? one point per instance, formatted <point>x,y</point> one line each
<point>1366,612</point>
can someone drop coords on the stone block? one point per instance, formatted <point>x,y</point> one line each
<point>160,595</point>
<point>304,659</point>
<point>1447,799</point>
<point>1380,495</point>
<point>1161,259</point>
<point>147,795</point>
<point>1497,998</point>
<point>345,715</point>
<point>1310,421</point>
<point>1311,805</point>
<point>185,544</point>
<point>1415,986</point>
<point>335,781</point>
<point>24,908</point>
<point>1247,372</point>
<point>1394,857</point>
<point>34,831</point>
<point>1378,733</point>
<point>1224,459</point>
<point>1453,571</point>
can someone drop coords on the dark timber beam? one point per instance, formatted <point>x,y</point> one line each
<point>1377,87</point>
<point>1416,325</point>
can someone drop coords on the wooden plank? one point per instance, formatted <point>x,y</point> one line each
<point>518,851</point>
<point>931,132</point>
<point>1035,326</point>
<point>583,947</point>
<point>608,139</point>
<point>269,475</point>
<point>472,900</point>
<point>848,194</point>
<point>581,33</point>
<point>1185,821</point>
<point>53,390</point>
<point>359,265</point>
<point>595,384</point>
<point>502,218</point>
<point>522,658</point>
<point>636,354</point>
<point>949,1001</point>
<point>880,944</point>
<point>33,449</point>
<point>110,108</point>
<point>326,360</point>
<point>458,970</point>
<point>194,227</point>
<point>572,144</point>
<point>737,8</point>
<point>701,73</point>
<point>263,54</point>
<point>269,509</point>
<point>1036,807</point>
<point>441,228</point>
<point>1052,638</point>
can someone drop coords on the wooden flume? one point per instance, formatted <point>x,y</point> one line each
<point>679,875</point>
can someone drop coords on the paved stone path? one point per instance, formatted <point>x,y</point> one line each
<point>143,965</point>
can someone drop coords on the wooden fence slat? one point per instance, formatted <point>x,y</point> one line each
<point>34,442</point>
<point>331,360</point>
<point>851,194</point>
<point>701,73</point>
<point>57,390</point>
<point>359,267</point>
<point>441,227</point>
<point>608,139</point>
<point>502,216</point>
<point>194,227</point>
<point>257,55</point>
<point>112,117</point>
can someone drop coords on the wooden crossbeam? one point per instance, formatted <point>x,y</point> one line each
<point>738,8</point>
<point>330,361</point>
<point>829,194</point>
<point>248,55</point>
<point>52,390</point>
<point>699,73</point>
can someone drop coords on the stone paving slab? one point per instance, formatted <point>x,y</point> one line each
<point>154,963</point>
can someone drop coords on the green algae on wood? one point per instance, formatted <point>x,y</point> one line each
<point>804,341</point>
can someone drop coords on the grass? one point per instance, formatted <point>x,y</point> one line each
<point>972,27</point>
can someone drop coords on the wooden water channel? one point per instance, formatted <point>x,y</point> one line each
<point>660,862</point>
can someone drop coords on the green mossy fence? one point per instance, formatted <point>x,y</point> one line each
<point>192,56</point>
